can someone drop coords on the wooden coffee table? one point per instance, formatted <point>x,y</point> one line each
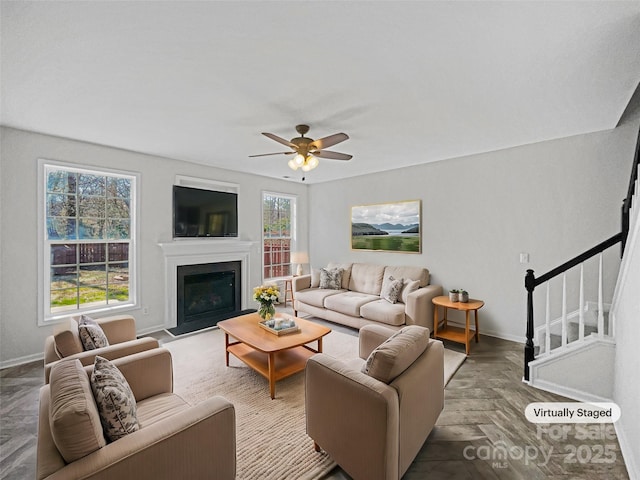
<point>272,356</point>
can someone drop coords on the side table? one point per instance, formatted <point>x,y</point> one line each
<point>456,334</point>
<point>288,290</point>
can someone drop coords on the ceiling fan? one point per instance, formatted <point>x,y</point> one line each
<point>307,150</point>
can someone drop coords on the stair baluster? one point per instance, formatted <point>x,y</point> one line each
<point>564,310</point>
<point>547,336</point>
<point>600,300</point>
<point>581,305</point>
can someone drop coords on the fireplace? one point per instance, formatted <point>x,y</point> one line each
<point>213,266</point>
<point>208,293</point>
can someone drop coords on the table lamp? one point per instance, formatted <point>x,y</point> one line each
<point>300,258</point>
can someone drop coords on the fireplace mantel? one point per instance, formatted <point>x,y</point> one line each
<point>193,252</point>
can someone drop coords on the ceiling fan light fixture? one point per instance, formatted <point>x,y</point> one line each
<point>307,150</point>
<point>312,161</point>
<point>299,160</point>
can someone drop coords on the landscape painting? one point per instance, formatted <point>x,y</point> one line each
<point>389,227</point>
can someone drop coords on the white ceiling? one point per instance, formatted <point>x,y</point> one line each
<point>409,82</point>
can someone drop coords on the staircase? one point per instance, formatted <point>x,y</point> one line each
<point>571,352</point>
<point>590,314</point>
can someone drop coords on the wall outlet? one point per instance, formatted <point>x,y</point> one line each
<point>524,258</point>
<point>145,310</point>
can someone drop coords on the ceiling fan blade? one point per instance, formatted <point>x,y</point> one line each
<point>328,141</point>
<point>332,155</point>
<point>279,139</point>
<point>277,153</point>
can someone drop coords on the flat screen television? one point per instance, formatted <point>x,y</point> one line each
<point>204,213</point>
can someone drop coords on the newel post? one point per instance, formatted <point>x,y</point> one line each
<point>530,285</point>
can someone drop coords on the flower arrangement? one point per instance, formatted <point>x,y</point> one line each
<point>266,296</point>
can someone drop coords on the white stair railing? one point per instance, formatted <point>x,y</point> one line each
<point>545,332</point>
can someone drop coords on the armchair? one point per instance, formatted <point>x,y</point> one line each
<point>374,429</point>
<point>175,440</point>
<point>120,330</point>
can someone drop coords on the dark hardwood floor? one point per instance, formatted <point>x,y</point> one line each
<point>481,434</point>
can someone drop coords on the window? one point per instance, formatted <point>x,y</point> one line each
<point>89,227</point>
<point>278,233</point>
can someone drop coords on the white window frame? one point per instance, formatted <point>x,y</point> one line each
<point>45,316</point>
<point>294,229</point>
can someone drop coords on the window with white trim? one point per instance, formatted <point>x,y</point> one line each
<point>89,226</point>
<point>278,234</point>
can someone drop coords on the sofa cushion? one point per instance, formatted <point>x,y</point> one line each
<point>331,278</point>
<point>409,286</point>
<point>366,278</point>
<point>409,273</point>
<point>115,400</point>
<point>349,303</point>
<point>73,416</point>
<point>346,272</point>
<point>67,339</point>
<point>397,353</point>
<point>384,312</point>
<point>92,336</point>
<point>159,407</point>
<point>315,296</point>
<point>391,288</point>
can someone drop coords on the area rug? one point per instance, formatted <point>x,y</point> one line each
<point>271,441</point>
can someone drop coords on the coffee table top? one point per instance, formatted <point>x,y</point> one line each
<point>245,328</point>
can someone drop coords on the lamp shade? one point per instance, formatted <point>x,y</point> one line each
<point>299,257</point>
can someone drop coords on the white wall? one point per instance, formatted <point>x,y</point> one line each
<point>553,200</point>
<point>626,313</point>
<point>20,337</point>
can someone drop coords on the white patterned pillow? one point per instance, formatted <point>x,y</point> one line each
<point>331,279</point>
<point>91,335</point>
<point>115,400</point>
<point>391,288</point>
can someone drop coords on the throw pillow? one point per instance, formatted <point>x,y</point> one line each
<point>73,416</point>
<point>85,320</point>
<point>331,279</point>
<point>410,286</point>
<point>115,400</point>
<point>92,336</point>
<point>391,288</point>
<point>397,353</point>
<point>315,278</point>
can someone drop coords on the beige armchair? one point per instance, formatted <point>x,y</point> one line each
<point>120,330</point>
<point>371,428</point>
<point>175,440</point>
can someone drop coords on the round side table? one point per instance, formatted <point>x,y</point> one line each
<point>456,334</point>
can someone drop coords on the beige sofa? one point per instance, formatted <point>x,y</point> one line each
<point>175,440</point>
<point>358,302</point>
<point>120,331</point>
<point>374,424</point>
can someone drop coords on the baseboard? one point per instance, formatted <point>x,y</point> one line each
<point>148,330</point>
<point>14,362</point>
<point>568,392</point>
<point>627,453</point>
<point>490,333</point>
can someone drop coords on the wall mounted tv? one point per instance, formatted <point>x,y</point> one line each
<point>204,213</point>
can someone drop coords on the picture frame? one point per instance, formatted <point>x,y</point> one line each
<point>387,227</point>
